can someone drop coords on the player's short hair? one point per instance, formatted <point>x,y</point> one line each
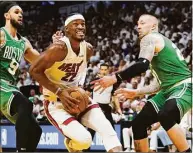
<point>4,8</point>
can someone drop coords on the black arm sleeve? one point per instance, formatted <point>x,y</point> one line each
<point>134,70</point>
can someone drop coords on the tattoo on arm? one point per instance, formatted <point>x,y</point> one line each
<point>147,47</point>
<point>154,86</point>
<point>2,38</point>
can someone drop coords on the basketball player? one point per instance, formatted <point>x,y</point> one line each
<point>14,106</point>
<point>64,64</point>
<point>174,97</point>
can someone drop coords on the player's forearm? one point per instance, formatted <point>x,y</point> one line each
<point>117,104</point>
<point>152,88</point>
<point>44,81</point>
<point>136,69</point>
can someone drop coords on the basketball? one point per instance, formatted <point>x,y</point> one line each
<point>81,95</point>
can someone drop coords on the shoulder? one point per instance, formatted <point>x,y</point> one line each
<point>89,46</point>
<point>90,50</point>
<point>148,38</point>
<point>27,44</point>
<point>2,38</point>
<point>154,39</point>
<point>26,40</point>
<point>60,44</point>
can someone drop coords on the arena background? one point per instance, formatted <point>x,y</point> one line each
<point>111,29</point>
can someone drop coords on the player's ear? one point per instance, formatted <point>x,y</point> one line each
<point>7,16</point>
<point>66,29</point>
<point>154,27</point>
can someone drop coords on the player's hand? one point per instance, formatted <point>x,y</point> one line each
<point>70,104</point>
<point>103,83</point>
<point>124,93</point>
<point>57,36</point>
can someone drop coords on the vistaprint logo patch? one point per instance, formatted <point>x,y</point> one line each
<point>3,136</point>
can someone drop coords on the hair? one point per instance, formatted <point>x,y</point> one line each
<point>154,18</point>
<point>4,8</point>
<point>104,64</point>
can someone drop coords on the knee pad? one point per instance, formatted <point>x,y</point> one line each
<point>169,115</point>
<point>166,120</point>
<point>139,130</point>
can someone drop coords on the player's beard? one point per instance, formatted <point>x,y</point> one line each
<point>15,24</point>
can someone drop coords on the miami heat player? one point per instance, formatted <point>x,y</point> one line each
<point>64,64</point>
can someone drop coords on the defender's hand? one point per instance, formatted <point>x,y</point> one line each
<point>126,93</point>
<point>104,83</point>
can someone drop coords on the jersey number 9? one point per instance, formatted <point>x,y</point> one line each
<point>13,66</point>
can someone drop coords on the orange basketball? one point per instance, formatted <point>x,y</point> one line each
<point>81,95</point>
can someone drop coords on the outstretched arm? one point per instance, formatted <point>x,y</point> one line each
<point>147,49</point>
<point>152,88</point>
<point>133,93</point>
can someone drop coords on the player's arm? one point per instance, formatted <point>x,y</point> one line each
<point>133,93</point>
<point>115,100</point>
<point>2,38</point>
<point>56,52</point>
<point>30,53</point>
<point>153,87</point>
<point>147,49</point>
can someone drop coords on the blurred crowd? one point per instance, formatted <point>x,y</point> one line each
<point>112,30</point>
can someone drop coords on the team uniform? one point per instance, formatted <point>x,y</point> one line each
<point>70,72</point>
<point>174,98</point>
<point>10,54</point>
<point>172,72</point>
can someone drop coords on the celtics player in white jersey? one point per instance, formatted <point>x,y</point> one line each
<point>173,98</point>
<point>64,64</point>
<point>14,105</point>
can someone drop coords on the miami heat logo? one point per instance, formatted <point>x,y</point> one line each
<point>71,70</point>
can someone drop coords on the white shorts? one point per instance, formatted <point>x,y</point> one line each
<point>58,116</point>
<point>73,128</point>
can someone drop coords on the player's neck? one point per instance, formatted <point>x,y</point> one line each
<point>155,30</point>
<point>12,31</point>
<point>75,45</point>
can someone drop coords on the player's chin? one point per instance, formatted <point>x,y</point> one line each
<point>80,38</point>
<point>141,36</point>
<point>19,24</point>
